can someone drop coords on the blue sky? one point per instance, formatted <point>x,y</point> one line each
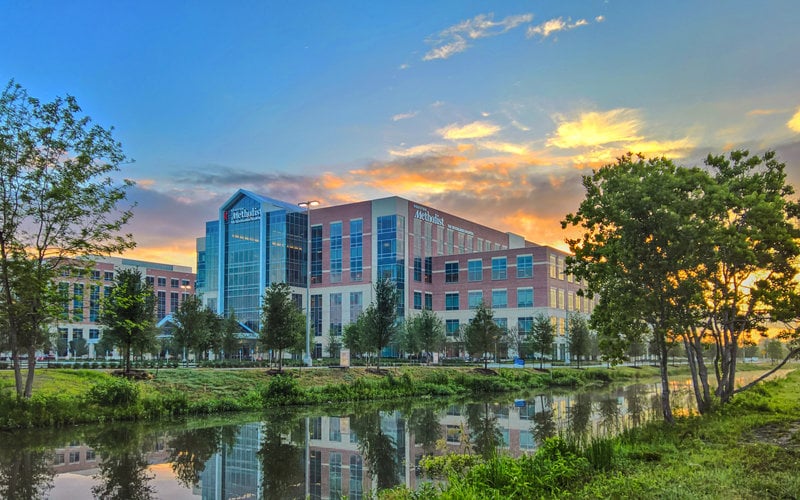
<point>489,110</point>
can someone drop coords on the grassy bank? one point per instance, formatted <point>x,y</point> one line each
<point>69,396</point>
<point>748,449</point>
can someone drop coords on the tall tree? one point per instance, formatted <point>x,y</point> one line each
<point>424,332</point>
<point>282,323</point>
<point>355,336</point>
<point>230,339</point>
<point>645,235</point>
<point>543,333</point>
<point>482,334</point>
<point>58,199</point>
<point>191,324</point>
<point>381,317</point>
<point>129,314</point>
<point>579,337</point>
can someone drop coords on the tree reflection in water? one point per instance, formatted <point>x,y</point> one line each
<point>25,472</point>
<point>609,410</point>
<point>123,471</point>
<point>580,415</point>
<point>378,448</point>
<point>424,424</point>
<point>191,449</point>
<point>544,423</point>
<point>282,455</point>
<point>485,434</point>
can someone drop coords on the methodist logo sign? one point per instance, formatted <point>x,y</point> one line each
<point>423,214</point>
<point>241,215</point>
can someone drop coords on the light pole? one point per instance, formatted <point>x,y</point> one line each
<point>307,205</point>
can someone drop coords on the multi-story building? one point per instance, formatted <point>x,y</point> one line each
<point>438,260</point>
<point>85,288</point>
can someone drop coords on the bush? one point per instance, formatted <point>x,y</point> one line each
<point>114,392</point>
<point>281,390</point>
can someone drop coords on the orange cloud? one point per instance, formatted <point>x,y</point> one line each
<point>474,130</point>
<point>598,128</point>
<point>794,122</point>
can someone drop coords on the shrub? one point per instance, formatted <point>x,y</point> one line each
<point>114,392</point>
<point>281,389</point>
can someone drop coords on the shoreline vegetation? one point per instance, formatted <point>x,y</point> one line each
<point>78,396</point>
<point>749,448</point>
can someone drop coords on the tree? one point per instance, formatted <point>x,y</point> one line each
<point>79,347</point>
<point>579,337</point>
<point>543,333</point>
<point>482,333</point>
<point>424,332</point>
<point>229,341</point>
<point>193,325</point>
<point>129,314</point>
<point>518,340</point>
<point>58,200</point>
<point>334,345</point>
<point>774,350</point>
<point>355,336</point>
<point>282,323</point>
<point>381,317</point>
<point>645,237</point>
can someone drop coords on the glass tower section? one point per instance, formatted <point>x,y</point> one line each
<point>391,251</point>
<point>242,286</point>
<point>316,254</point>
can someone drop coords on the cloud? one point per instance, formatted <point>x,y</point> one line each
<point>597,128</point>
<point>474,130</point>
<point>505,147</point>
<point>404,116</point>
<point>454,39</point>
<point>764,112</point>
<point>599,19</point>
<point>420,150</point>
<point>554,25</point>
<point>794,122</point>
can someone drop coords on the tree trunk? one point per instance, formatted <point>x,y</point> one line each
<point>31,372</point>
<point>666,408</point>
<point>280,360</point>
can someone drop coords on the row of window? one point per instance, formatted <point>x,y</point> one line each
<point>162,282</point>
<point>449,241</point>
<point>499,269</point>
<point>524,325</point>
<point>77,333</point>
<point>74,457</point>
<point>335,250</point>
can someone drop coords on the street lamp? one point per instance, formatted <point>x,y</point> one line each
<point>307,205</point>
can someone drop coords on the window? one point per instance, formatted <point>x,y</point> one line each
<point>524,297</point>
<point>336,252</point>
<point>474,298</point>
<point>418,269</point>
<point>95,274</point>
<point>335,474</point>
<point>525,324</point>
<point>451,327</point>
<point>108,276</point>
<point>151,281</point>
<point>525,266</point>
<point>77,302</point>
<point>90,455</point>
<point>356,477</point>
<point>499,299</point>
<point>77,333</point>
<point>356,250</point>
<point>417,300</point>
<point>58,459</point>
<point>356,305</point>
<point>570,300</point>
<point>316,254</point>
<point>451,272</point>
<point>502,323</point>
<point>475,270</point>
<point>552,266</point>
<point>336,314</point>
<point>94,333</point>
<point>174,282</point>
<point>161,305</point>
<point>185,283</point>
<point>334,429</point>
<point>561,268</point>
<point>428,272</point>
<point>552,297</point>
<point>451,302</point>
<point>174,298</point>
<point>316,314</point>
<point>499,268</point>
<point>74,457</point>
<point>94,302</point>
<point>429,301</point>
<point>315,427</point>
<point>162,281</point>
<point>561,299</point>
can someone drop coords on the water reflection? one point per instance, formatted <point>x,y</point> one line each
<point>309,453</point>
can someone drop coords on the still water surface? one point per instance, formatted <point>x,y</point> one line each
<point>321,453</point>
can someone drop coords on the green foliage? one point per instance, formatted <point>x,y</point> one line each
<point>381,317</point>
<point>282,324</point>
<point>482,333</point>
<point>543,333</point>
<point>196,326</point>
<point>424,332</point>
<point>114,391</point>
<point>281,390</point>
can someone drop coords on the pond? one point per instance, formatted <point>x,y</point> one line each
<point>322,452</point>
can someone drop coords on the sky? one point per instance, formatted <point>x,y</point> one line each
<point>492,111</point>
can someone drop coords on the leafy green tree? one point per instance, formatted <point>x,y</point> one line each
<point>355,336</point>
<point>381,317</point>
<point>192,327</point>
<point>482,334</point>
<point>579,337</point>
<point>334,345</point>
<point>229,341</point>
<point>517,340</point>
<point>282,323</point>
<point>752,279</point>
<point>645,228</point>
<point>543,333</point>
<point>58,200</point>
<point>79,347</point>
<point>129,314</point>
<point>774,350</point>
<point>424,332</point>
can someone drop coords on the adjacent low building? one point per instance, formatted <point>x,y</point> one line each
<point>438,260</point>
<point>86,287</point>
